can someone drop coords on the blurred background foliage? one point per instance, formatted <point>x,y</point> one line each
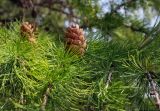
<point>103,15</point>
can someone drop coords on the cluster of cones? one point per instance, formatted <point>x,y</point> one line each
<point>74,37</point>
<point>75,40</point>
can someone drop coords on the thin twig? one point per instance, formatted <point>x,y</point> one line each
<point>152,35</point>
<point>59,10</point>
<point>22,99</point>
<point>137,29</point>
<point>45,98</point>
<point>27,5</point>
<point>154,90</point>
<point>108,80</point>
<point>49,3</point>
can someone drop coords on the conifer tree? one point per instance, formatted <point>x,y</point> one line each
<point>109,61</point>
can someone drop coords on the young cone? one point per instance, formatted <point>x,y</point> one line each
<point>75,40</point>
<point>27,30</point>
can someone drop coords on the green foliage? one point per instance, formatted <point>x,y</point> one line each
<point>27,69</point>
<point>111,76</point>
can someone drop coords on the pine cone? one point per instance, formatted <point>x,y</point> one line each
<point>27,30</point>
<point>75,40</point>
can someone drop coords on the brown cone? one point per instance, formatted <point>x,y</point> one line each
<point>75,40</point>
<point>27,30</point>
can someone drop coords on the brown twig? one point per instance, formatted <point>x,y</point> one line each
<point>108,80</point>
<point>52,2</point>
<point>153,90</point>
<point>137,29</point>
<point>27,5</point>
<point>59,10</point>
<point>45,98</point>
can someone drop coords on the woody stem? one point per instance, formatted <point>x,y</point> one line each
<point>154,90</point>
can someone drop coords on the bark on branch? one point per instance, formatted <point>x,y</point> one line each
<point>154,91</point>
<point>45,98</point>
<point>108,80</point>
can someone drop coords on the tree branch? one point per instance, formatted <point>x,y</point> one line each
<point>153,90</point>
<point>58,10</point>
<point>45,98</point>
<point>138,29</point>
<point>108,80</point>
